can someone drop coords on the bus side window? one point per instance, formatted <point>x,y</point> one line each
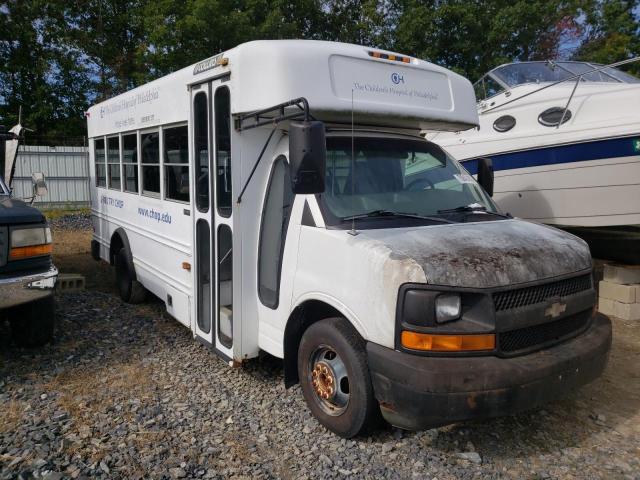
<point>150,153</point>
<point>101,168</point>
<point>176,163</point>
<point>113,162</point>
<point>201,151</point>
<point>273,231</point>
<point>130,162</point>
<point>222,108</point>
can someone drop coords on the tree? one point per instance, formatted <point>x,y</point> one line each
<point>111,38</point>
<point>612,32</point>
<point>474,36</point>
<point>38,74</point>
<point>183,32</point>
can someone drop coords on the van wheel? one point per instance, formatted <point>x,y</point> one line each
<point>333,372</point>
<point>32,324</point>
<point>131,291</point>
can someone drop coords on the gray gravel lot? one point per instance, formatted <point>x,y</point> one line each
<point>125,392</point>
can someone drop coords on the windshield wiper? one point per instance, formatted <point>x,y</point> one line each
<point>473,208</point>
<point>390,213</point>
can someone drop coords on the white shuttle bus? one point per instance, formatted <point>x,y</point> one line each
<point>278,197</point>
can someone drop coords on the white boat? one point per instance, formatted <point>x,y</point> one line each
<point>564,140</point>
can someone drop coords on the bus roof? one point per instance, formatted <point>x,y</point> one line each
<point>385,88</point>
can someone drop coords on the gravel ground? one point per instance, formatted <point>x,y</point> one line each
<point>76,221</point>
<point>125,392</point>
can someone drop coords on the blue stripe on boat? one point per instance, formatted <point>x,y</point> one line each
<point>577,152</point>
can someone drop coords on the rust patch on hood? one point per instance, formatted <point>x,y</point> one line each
<point>486,254</point>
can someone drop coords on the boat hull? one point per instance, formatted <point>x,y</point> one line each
<point>586,184</point>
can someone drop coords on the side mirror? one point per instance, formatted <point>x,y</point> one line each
<point>39,185</point>
<point>307,155</point>
<point>485,175</point>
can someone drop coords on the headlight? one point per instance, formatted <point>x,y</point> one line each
<point>448,307</point>
<point>30,242</point>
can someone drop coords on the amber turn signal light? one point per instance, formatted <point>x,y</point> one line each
<point>447,343</point>
<point>31,251</point>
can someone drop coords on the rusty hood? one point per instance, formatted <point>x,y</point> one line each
<point>486,254</point>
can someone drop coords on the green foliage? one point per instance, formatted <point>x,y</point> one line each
<point>613,32</point>
<point>38,72</point>
<point>59,56</point>
<point>474,36</point>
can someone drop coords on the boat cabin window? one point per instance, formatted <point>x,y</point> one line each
<point>531,72</point>
<point>487,87</point>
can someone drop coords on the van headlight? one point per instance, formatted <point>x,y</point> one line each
<point>30,242</point>
<point>430,307</point>
<point>448,307</point>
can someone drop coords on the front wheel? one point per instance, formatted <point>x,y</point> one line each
<point>334,376</point>
<point>32,324</point>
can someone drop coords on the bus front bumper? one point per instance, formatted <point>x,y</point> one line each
<point>417,392</point>
<point>20,289</point>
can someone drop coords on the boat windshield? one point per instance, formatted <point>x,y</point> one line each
<point>548,72</point>
<point>397,178</point>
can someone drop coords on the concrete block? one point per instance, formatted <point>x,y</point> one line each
<point>605,306</point>
<point>619,293</point>
<point>622,274</point>
<point>626,311</point>
<point>70,282</point>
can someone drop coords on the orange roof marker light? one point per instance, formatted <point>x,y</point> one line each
<point>389,56</point>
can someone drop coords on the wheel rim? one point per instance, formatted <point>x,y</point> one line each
<point>327,375</point>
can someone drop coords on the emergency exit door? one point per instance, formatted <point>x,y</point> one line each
<point>213,236</point>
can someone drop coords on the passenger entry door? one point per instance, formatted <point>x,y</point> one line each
<point>213,236</point>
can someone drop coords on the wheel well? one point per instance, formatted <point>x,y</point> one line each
<point>300,319</point>
<point>120,240</point>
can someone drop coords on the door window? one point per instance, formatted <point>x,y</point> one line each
<point>203,243</point>
<point>201,150</point>
<point>275,221</point>
<point>222,108</point>
<point>225,285</point>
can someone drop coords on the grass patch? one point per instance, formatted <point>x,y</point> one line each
<point>59,212</point>
<point>11,415</point>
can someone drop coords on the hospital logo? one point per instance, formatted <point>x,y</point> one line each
<point>397,78</point>
<point>636,145</point>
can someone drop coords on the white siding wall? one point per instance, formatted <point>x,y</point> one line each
<point>65,170</point>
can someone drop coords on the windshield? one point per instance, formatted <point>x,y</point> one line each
<point>405,176</point>
<point>548,72</point>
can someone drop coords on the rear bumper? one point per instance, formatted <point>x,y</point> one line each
<point>418,392</point>
<point>21,289</point>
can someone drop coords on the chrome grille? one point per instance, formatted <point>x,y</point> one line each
<point>523,297</point>
<point>4,245</point>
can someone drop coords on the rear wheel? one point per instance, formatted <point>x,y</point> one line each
<point>32,324</point>
<point>131,291</point>
<point>334,376</point>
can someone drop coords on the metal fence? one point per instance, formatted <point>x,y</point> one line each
<point>66,170</point>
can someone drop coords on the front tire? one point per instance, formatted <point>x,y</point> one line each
<point>33,324</point>
<point>333,372</point>
<point>130,290</point>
